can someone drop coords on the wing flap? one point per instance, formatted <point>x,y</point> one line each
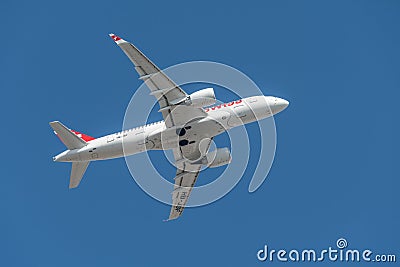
<point>182,189</point>
<point>168,93</point>
<point>186,175</point>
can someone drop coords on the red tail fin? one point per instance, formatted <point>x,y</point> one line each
<point>85,137</point>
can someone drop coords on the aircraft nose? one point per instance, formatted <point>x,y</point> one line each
<point>280,104</point>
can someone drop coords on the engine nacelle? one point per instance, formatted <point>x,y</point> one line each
<point>203,98</point>
<point>218,157</point>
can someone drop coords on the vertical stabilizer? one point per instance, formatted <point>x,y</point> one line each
<point>69,138</point>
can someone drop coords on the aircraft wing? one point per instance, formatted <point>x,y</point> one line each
<point>168,94</point>
<point>186,174</point>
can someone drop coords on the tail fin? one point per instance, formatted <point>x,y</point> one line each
<point>77,172</point>
<point>71,139</point>
<point>85,137</point>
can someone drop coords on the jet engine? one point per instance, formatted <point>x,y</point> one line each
<point>218,157</point>
<point>202,98</point>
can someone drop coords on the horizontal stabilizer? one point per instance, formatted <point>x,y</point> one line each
<point>77,172</point>
<point>69,138</point>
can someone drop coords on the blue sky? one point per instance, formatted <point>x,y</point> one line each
<point>334,174</point>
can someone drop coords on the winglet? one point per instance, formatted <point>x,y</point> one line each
<point>117,39</point>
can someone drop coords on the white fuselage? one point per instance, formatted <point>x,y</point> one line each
<point>156,136</point>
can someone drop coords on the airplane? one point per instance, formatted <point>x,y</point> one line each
<point>189,125</point>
